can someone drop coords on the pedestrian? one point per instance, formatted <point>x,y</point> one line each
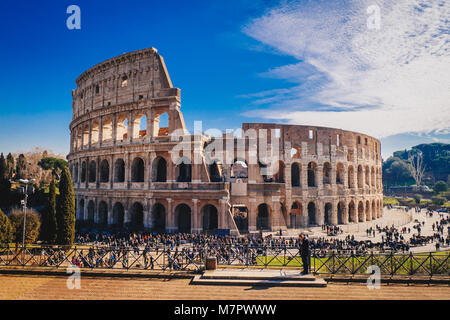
<point>305,254</point>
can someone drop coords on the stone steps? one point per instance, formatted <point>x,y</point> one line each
<point>245,277</point>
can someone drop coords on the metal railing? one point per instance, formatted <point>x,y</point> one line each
<point>192,258</point>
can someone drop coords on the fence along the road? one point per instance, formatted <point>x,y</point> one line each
<point>190,257</point>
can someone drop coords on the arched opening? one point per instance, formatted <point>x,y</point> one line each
<point>103,213</point>
<point>85,136</point>
<point>118,215</point>
<point>159,169</point>
<point>140,126</point>
<point>119,170</point>
<point>296,215</point>
<point>104,171</point>
<point>312,167</point>
<point>215,172</point>
<point>92,171</point>
<point>158,218</point>
<point>83,172</point>
<point>327,213</point>
<point>360,176</point>
<point>262,218</point>
<point>210,218</point>
<point>122,128</point>
<point>95,132</point>
<point>295,175</point>
<point>137,170</point>
<point>326,173</point>
<point>311,214</point>
<point>239,169</point>
<point>361,212</point>
<point>352,212</point>
<point>296,152</point>
<point>91,212</point>
<point>341,213</point>
<point>107,130</point>
<point>240,216</point>
<point>137,216</point>
<point>183,214</point>
<point>184,171</point>
<point>340,173</point>
<point>161,125</point>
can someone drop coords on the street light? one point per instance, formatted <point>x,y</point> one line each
<point>26,182</point>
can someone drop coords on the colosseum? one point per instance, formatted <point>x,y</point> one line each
<point>125,116</point>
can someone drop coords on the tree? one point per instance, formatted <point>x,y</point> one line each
<point>10,165</point>
<point>65,213</point>
<point>416,167</point>
<point>21,166</point>
<point>440,186</point>
<point>32,225</point>
<point>54,164</point>
<point>6,229</point>
<point>48,226</point>
<point>3,168</point>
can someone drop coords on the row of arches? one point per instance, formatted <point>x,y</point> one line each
<point>343,213</point>
<point>135,219</point>
<point>369,176</point>
<point>183,171</point>
<point>116,128</point>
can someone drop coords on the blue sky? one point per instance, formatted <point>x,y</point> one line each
<point>305,62</point>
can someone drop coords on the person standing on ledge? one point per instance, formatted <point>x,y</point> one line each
<point>304,253</point>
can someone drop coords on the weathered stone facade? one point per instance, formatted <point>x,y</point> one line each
<point>120,160</point>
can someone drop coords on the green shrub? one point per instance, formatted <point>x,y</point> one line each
<point>439,201</point>
<point>31,227</point>
<point>6,229</point>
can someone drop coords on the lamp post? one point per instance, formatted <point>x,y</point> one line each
<point>26,182</point>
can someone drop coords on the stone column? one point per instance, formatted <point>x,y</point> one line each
<point>252,215</point>
<point>110,212</point>
<point>196,217</point>
<point>100,132</point>
<point>223,214</point>
<point>303,175</point>
<point>150,202</point>
<point>319,176</point>
<point>334,213</point>
<point>96,218</point>
<point>111,171</point>
<point>85,213</point>
<point>127,170</point>
<point>319,213</point>
<point>90,134</point>
<point>170,227</point>
<point>114,129</point>
<point>130,128</point>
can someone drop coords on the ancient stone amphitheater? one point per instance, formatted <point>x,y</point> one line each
<point>125,114</point>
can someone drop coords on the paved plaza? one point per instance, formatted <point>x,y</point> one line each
<point>54,287</point>
<point>397,217</point>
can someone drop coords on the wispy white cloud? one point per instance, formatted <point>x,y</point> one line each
<point>382,82</point>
